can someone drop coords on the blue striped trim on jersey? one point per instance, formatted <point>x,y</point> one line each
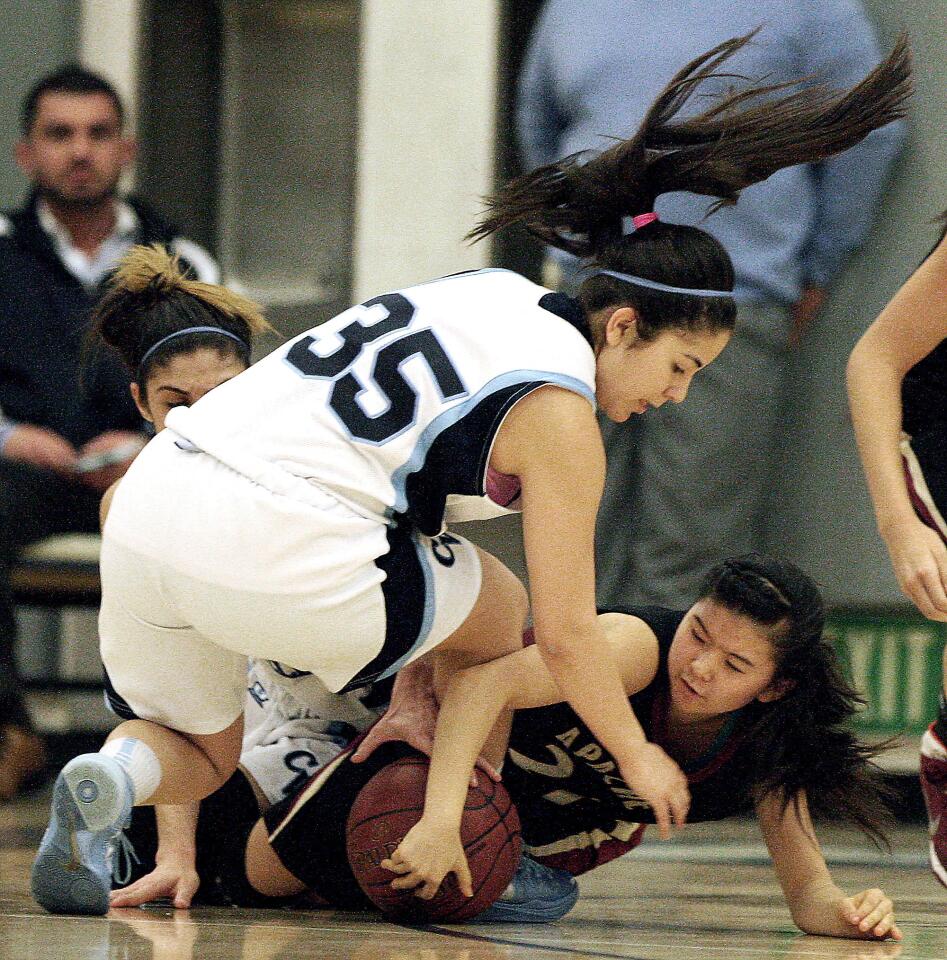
<point>449,418</point>
<point>427,617</point>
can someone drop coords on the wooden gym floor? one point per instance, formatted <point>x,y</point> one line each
<point>704,895</point>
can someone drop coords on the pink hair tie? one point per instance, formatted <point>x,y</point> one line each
<point>643,219</point>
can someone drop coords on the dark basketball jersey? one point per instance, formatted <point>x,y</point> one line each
<point>924,400</point>
<point>924,418</point>
<point>924,393</point>
<point>576,810</point>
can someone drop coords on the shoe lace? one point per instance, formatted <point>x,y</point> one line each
<point>124,859</point>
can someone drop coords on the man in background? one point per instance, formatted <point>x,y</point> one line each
<point>69,427</point>
<point>687,483</point>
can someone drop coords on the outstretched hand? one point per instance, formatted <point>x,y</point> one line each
<point>176,881</point>
<point>411,716</point>
<point>871,915</point>
<point>919,559</point>
<point>412,728</point>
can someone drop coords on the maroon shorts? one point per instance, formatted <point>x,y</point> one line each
<point>919,491</point>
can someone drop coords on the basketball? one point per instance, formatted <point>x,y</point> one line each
<point>391,803</point>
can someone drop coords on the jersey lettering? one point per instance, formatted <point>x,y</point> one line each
<point>562,768</point>
<point>303,764</point>
<point>441,548</point>
<point>258,692</point>
<point>591,754</point>
<point>386,374</point>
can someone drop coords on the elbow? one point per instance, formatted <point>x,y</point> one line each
<point>858,361</point>
<point>565,652</point>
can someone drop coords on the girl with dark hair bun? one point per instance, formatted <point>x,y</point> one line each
<point>297,513</point>
<point>157,318</point>
<point>178,337</point>
<point>897,389</point>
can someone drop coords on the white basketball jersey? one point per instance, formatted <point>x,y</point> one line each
<point>394,404</point>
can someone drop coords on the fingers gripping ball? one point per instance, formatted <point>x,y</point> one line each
<point>391,803</point>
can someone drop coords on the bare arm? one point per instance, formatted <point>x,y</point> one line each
<point>817,905</point>
<point>551,441</point>
<point>474,699</point>
<point>175,873</point>
<point>908,329</point>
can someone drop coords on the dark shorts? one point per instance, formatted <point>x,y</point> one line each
<point>307,831</point>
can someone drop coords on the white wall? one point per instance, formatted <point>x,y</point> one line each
<point>428,90</point>
<point>108,44</point>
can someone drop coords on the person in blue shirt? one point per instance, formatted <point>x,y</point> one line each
<point>685,483</point>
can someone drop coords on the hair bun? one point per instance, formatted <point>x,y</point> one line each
<point>149,268</point>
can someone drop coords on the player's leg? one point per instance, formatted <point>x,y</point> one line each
<point>476,609</point>
<point>191,690</point>
<point>300,843</point>
<point>224,823</point>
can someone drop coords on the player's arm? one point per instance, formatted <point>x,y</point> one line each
<point>552,442</point>
<point>106,503</point>
<point>908,329</point>
<point>817,905</point>
<point>474,699</point>
<point>175,872</point>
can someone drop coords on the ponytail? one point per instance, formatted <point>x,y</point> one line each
<point>747,136</point>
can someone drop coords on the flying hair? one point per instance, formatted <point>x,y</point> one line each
<point>577,204</point>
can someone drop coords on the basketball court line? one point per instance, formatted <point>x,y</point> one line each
<point>527,945</point>
<point>682,949</point>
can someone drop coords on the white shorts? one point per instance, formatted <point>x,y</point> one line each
<point>202,567</point>
<point>293,726</point>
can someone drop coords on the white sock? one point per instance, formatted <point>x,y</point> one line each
<point>139,761</point>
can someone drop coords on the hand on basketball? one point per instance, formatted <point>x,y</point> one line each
<point>398,725</point>
<point>919,559</point>
<point>175,880</point>
<point>426,855</point>
<point>411,716</point>
<point>657,779</point>
<point>871,914</point>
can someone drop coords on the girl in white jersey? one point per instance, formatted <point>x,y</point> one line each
<point>295,513</point>
<point>180,339</point>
